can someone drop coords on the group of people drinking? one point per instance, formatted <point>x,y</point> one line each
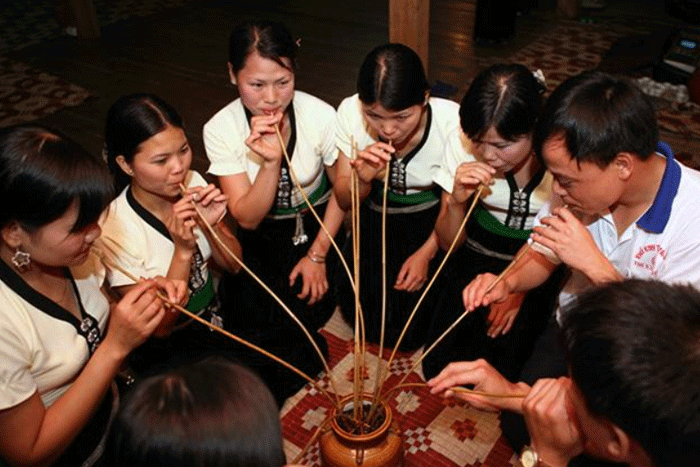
<point>577,187</point>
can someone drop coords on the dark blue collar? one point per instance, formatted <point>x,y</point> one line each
<point>656,217</point>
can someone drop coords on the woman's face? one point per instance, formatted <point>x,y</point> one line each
<point>55,245</point>
<point>501,154</point>
<point>161,163</point>
<point>392,125</point>
<point>265,87</point>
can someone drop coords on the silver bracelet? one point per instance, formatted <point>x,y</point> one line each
<point>316,258</point>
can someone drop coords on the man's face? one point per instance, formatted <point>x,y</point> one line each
<point>583,186</point>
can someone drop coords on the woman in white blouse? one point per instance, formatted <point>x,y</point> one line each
<point>396,126</point>
<point>281,240</point>
<point>56,361</point>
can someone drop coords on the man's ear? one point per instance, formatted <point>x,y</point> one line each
<point>231,74</point>
<point>619,443</point>
<point>12,235</point>
<point>624,163</point>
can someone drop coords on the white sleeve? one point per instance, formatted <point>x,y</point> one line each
<point>455,154</point>
<point>120,245</point>
<point>546,211</point>
<point>344,125</point>
<point>225,145</point>
<point>327,146</point>
<point>15,360</point>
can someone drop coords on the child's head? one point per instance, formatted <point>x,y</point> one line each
<point>145,144</point>
<point>499,112</point>
<point>262,60</point>
<point>208,414</point>
<point>393,90</point>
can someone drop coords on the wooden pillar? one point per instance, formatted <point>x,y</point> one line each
<point>85,18</point>
<point>409,22</point>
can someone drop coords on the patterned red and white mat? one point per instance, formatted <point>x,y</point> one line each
<point>437,432</point>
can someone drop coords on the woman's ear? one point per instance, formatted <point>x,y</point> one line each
<point>231,73</point>
<point>124,165</point>
<point>12,235</point>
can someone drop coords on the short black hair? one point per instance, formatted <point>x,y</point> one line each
<point>42,173</point>
<point>211,413</point>
<point>634,353</point>
<point>393,76</point>
<point>131,120</point>
<point>504,96</point>
<point>269,39</point>
<point>599,116</point>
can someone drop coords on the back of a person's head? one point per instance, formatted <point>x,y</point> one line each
<point>634,353</point>
<point>208,414</point>
<point>599,116</point>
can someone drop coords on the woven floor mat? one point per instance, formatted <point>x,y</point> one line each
<point>437,432</point>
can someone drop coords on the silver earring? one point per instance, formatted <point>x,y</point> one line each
<point>21,260</point>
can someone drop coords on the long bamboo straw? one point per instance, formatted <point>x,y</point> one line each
<point>378,374</point>
<point>434,344</point>
<point>323,427</point>
<point>477,196</point>
<point>228,251</point>
<point>512,264</point>
<point>355,265</point>
<point>495,395</point>
<point>363,339</point>
<point>384,285</point>
<point>194,317</point>
<point>508,268</point>
<point>295,179</point>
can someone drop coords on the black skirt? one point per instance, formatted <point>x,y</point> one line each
<point>88,447</point>
<point>251,313</point>
<point>405,233</point>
